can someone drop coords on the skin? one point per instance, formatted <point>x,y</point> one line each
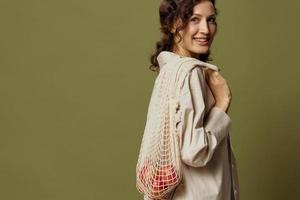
<point>202,24</point>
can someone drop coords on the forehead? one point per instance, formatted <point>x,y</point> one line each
<point>204,8</point>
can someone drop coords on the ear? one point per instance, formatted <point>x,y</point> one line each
<point>175,25</point>
<point>173,30</point>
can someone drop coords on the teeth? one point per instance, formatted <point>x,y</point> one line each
<point>202,40</point>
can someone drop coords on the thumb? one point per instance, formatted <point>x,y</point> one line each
<point>210,71</point>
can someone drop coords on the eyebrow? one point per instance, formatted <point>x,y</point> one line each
<point>208,16</point>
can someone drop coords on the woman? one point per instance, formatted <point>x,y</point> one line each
<point>209,167</point>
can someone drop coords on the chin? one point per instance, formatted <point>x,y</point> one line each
<point>201,50</point>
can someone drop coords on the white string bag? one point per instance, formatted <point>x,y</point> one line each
<point>158,169</point>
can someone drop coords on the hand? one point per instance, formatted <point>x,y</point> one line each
<point>219,88</point>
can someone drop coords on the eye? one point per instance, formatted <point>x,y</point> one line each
<point>194,19</point>
<point>212,20</point>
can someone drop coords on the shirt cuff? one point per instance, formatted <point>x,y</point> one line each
<point>218,123</point>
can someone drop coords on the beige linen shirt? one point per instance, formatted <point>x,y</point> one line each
<point>209,165</point>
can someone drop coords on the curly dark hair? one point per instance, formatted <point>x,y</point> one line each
<point>169,12</point>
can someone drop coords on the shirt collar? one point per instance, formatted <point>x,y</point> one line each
<point>165,56</point>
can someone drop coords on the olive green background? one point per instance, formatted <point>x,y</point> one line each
<point>75,87</point>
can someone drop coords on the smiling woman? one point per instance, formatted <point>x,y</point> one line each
<point>202,164</point>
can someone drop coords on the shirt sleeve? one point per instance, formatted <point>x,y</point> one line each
<point>199,138</point>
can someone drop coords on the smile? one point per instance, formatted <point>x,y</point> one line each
<point>201,41</point>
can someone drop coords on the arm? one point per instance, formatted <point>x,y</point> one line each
<point>199,138</point>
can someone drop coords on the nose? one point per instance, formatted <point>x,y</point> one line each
<point>204,29</point>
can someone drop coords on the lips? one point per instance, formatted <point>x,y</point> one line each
<point>201,41</point>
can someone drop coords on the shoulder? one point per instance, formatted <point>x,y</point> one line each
<point>195,75</point>
<point>191,67</point>
<point>193,81</point>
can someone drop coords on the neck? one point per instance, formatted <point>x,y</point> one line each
<point>182,52</point>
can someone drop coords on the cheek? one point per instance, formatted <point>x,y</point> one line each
<point>192,31</point>
<point>188,33</point>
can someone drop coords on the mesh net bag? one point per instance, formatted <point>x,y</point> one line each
<point>158,170</point>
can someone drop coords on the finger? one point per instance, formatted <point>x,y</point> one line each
<point>213,73</point>
<point>209,71</point>
<point>206,73</point>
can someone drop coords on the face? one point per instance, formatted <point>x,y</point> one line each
<point>199,33</point>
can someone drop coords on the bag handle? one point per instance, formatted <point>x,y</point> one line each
<point>182,67</point>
